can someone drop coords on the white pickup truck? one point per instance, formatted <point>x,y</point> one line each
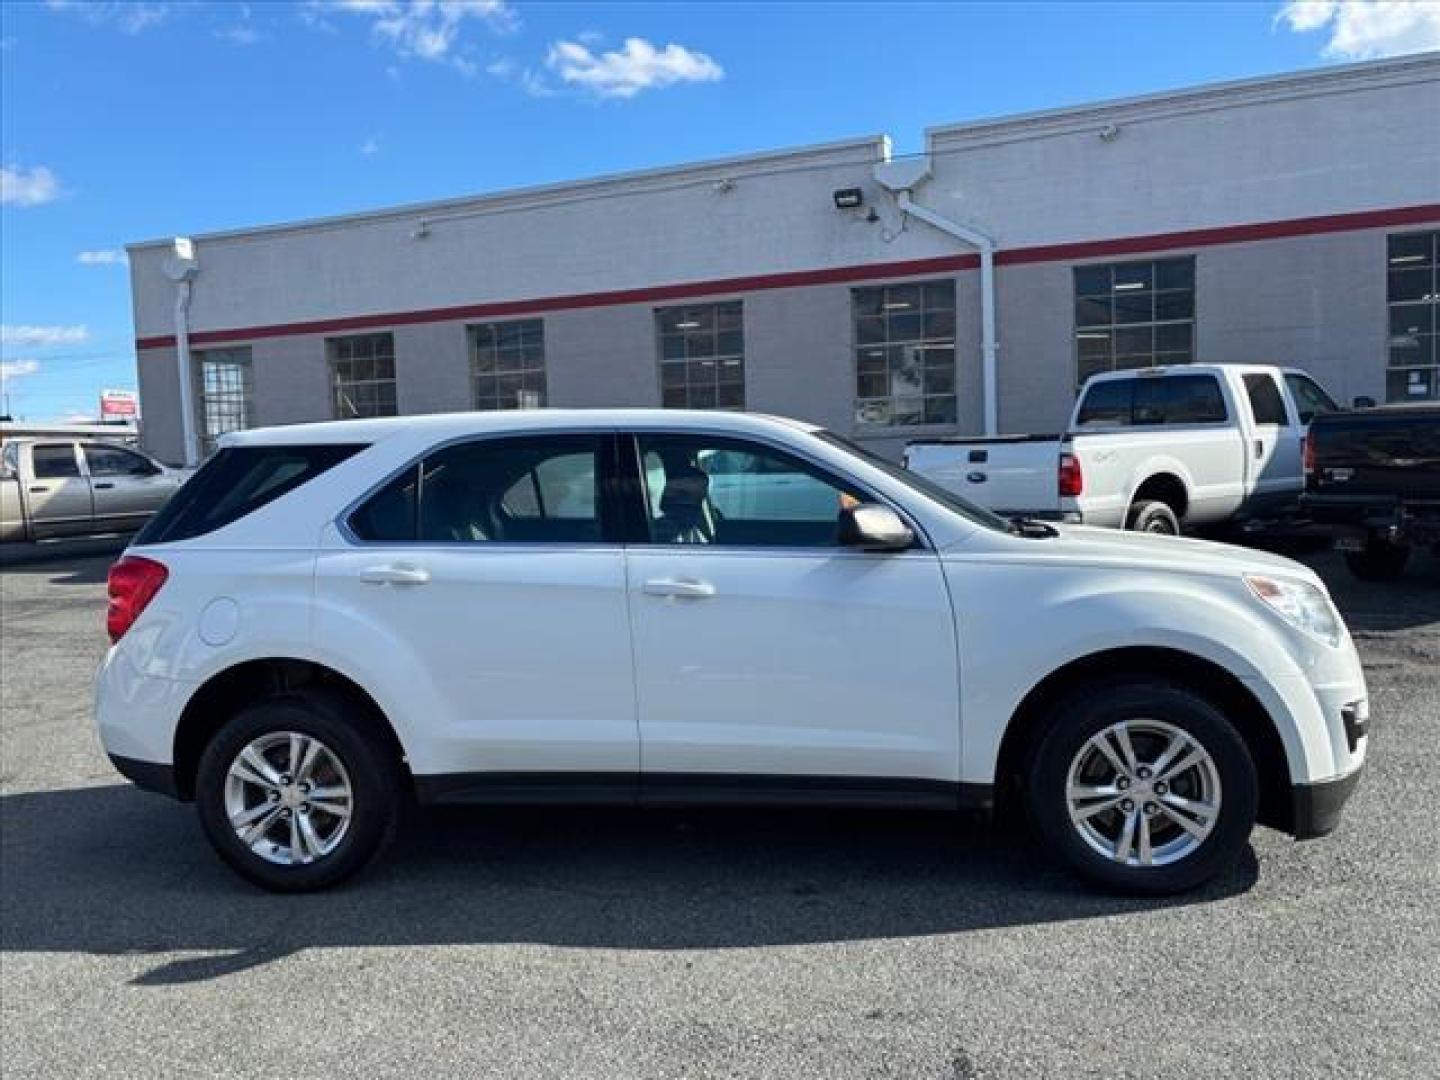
<point>1152,450</point>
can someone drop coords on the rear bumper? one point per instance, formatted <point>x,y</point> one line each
<point>1316,807</point>
<point>147,775</point>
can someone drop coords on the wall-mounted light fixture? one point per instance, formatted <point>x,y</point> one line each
<point>848,198</point>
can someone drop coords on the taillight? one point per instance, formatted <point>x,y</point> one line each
<point>133,583</point>
<point>1069,477</point>
<point>1307,455</point>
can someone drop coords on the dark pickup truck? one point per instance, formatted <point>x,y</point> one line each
<point>1373,477</point>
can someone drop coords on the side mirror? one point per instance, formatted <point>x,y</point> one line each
<point>1364,402</point>
<point>6,472</point>
<point>874,528</point>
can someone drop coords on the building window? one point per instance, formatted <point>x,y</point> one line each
<point>1412,290</point>
<point>507,364</point>
<point>362,375</point>
<point>1134,315</point>
<point>702,356</point>
<point>223,401</point>
<point>905,354</point>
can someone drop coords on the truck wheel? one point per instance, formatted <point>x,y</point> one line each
<point>294,795</point>
<point>1143,786</point>
<point>1153,516</point>
<point>1381,560</point>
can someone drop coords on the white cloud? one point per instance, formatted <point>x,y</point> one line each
<point>527,78</point>
<point>239,34</point>
<point>426,29</point>
<point>637,66</point>
<point>20,186</point>
<point>1366,29</point>
<point>15,369</point>
<point>43,336</point>
<point>370,147</point>
<point>101,257</point>
<point>129,16</point>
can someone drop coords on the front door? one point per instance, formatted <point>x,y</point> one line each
<point>57,494</point>
<point>485,572</point>
<point>765,652</point>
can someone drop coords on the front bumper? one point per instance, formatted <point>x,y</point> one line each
<point>1316,807</point>
<point>147,775</point>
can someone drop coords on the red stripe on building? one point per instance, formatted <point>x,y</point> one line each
<point>1087,249</point>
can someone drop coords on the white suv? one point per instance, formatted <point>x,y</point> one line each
<point>670,607</point>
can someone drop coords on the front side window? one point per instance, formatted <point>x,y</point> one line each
<point>905,354</point>
<point>362,375</point>
<point>1266,404</point>
<point>702,356</point>
<point>224,400</point>
<point>702,489</point>
<point>1134,315</point>
<point>104,460</point>
<point>54,462</point>
<point>1412,289</point>
<point>536,490</point>
<point>507,364</point>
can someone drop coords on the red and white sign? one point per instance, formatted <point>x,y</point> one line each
<point>119,404</point>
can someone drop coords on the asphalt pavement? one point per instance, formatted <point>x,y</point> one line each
<point>511,944</point>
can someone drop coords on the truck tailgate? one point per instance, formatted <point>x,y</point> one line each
<point>1377,455</point>
<point>1007,473</point>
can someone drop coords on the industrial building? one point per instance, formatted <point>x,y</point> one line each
<point>967,289</point>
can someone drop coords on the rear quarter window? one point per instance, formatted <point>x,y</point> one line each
<point>236,482</point>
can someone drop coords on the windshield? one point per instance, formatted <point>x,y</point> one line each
<point>920,484</point>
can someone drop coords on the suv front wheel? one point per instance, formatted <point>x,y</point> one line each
<point>294,796</point>
<point>1143,786</point>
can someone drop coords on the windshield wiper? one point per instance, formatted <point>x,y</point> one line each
<point>1032,528</point>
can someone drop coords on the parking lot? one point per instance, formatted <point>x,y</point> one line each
<point>534,943</point>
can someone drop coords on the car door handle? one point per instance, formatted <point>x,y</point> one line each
<point>103,487</point>
<point>686,588</point>
<point>38,489</point>
<point>395,574</point>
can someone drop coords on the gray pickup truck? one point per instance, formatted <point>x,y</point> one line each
<point>78,487</point>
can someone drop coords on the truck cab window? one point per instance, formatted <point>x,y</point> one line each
<point>54,462</point>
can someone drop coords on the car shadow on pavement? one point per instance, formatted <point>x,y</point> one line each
<point>111,870</point>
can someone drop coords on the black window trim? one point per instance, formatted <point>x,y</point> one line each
<point>623,520</point>
<point>632,489</point>
<point>609,507</point>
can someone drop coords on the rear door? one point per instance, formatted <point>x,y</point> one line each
<point>768,657</point>
<point>57,492</point>
<point>128,487</point>
<point>1273,449</point>
<point>489,571</point>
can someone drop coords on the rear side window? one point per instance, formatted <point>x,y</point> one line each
<point>527,490</point>
<point>1107,404</point>
<point>1178,399</point>
<point>54,462</point>
<point>237,481</point>
<point>1266,404</point>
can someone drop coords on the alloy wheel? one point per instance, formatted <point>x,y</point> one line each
<point>289,798</point>
<point>1143,793</point>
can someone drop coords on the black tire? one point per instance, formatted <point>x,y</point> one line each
<point>1153,516</point>
<point>373,772</point>
<point>1380,561</point>
<point>1079,716</point>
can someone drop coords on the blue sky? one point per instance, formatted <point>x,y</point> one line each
<point>130,121</point>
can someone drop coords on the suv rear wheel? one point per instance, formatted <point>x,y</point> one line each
<point>1143,786</point>
<point>294,796</point>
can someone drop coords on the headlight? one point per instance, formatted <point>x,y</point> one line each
<point>1300,604</point>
